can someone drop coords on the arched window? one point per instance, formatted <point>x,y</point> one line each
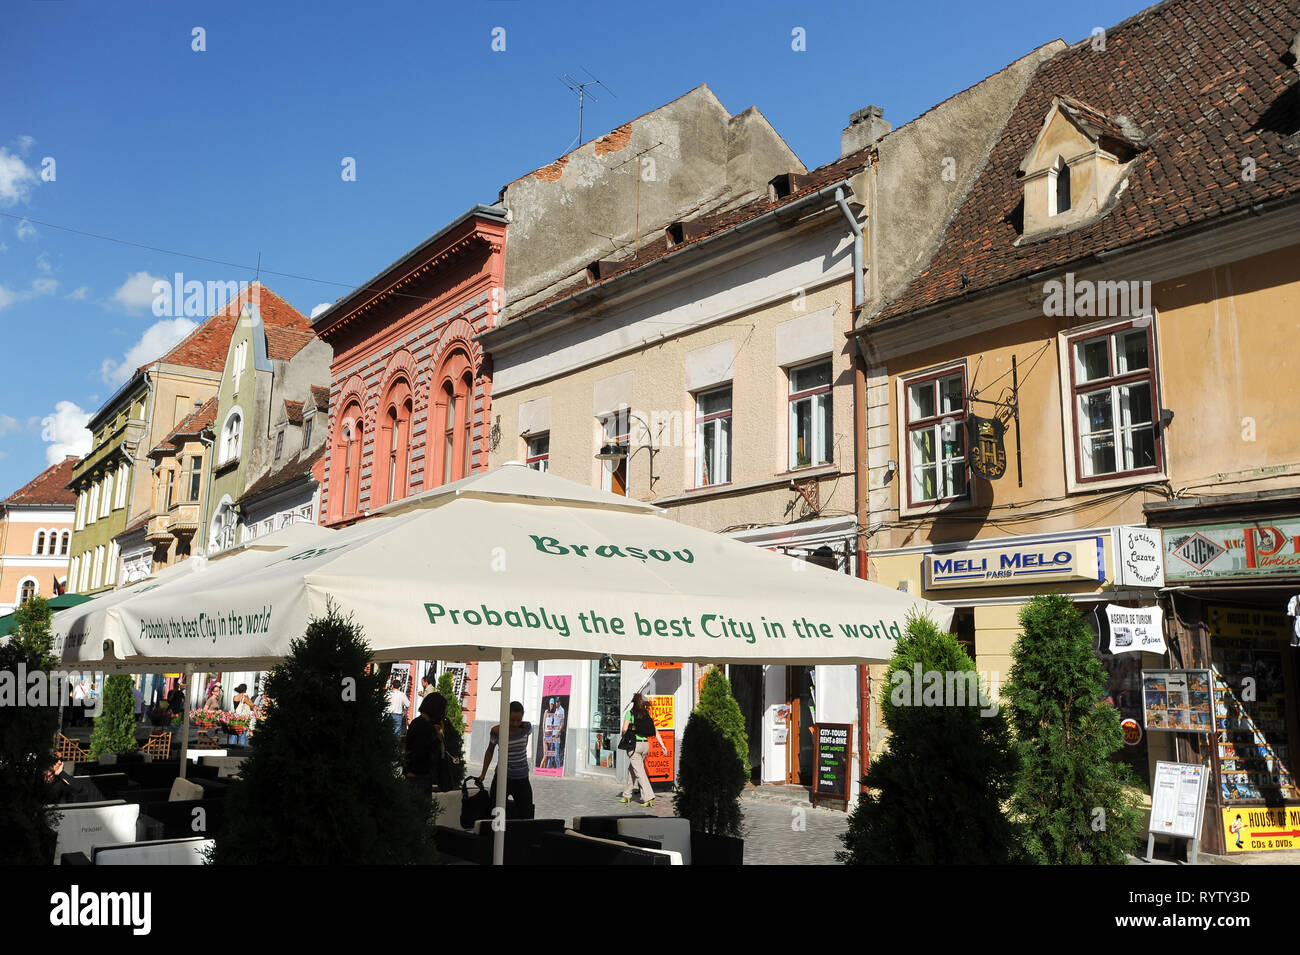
<point>452,419</point>
<point>40,543</point>
<point>64,540</point>
<point>231,436</point>
<point>345,463</point>
<point>26,590</point>
<point>395,442</point>
<point>1059,188</point>
<point>223,526</point>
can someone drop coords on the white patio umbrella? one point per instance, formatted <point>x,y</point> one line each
<point>81,632</point>
<point>516,564</point>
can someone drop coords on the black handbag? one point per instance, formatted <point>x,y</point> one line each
<point>473,807</point>
<point>628,743</point>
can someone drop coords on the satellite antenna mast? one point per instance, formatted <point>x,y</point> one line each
<point>580,87</point>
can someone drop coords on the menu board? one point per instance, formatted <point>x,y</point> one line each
<point>1253,752</point>
<point>1177,701</point>
<point>1177,797</point>
<point>833,760</point>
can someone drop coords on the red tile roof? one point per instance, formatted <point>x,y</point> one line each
<point>714,223</point>
<point>207,345</point>
<point>1204,79</point>
<point>197,420</point>
<point>283,343</point>
<point>47,489</point>
<point>299,467</point>
<point>320,395</point>
<point>293,410</point>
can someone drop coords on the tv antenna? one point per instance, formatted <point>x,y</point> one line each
<point>580,87</point>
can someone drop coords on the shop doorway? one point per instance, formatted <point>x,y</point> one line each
<point>800,693</point>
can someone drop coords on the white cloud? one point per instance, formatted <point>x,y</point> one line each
<point>43,264</point>
<point>66,432</point>
<point>320,308</point>
<point>9,423</point>
<point>38,287</point>
<point>24,229</point>
<point>16,178</point>
<point>3,247</point>
<point>136,294</point>
<point>79,294</point>
<point>25,144</point>
<point>158,339</point>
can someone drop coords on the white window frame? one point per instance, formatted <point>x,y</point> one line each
<point>714,422</point>
<point>119,498</point>
<point>534,457</point>
<point>84,583</point>
<point>39,542</point>
<point>818,395</point>
<point>106,497</point>
<point>82,497</point>
<point>936,374</point>
<point>1059,166</point>
<point>65,543</point>
<point>241,359</point>
<point>612,434</point>
<point>110,567</point>
<point>74,565</point>
<point>229,453</point>
<point>97,574</point>
<point>36,589</point>
<point>1075,482</point>
<point>92,506</point>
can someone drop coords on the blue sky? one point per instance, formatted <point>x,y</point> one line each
<point>237,149</point>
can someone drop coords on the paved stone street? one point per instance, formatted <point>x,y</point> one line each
<point>770,834</point>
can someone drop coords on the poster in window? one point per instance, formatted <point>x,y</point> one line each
<point>1177,701</point>
<point>553,721</point>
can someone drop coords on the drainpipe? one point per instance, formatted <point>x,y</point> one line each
<point>209,441</point>
<point>860,463</point>
<point>856,227</point>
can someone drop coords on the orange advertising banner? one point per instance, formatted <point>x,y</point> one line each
<point>658,762</point>
<point>660,665</point>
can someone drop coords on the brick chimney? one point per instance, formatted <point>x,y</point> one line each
<point>865,127</point>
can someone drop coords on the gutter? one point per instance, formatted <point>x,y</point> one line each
<point>1187,232</point>
<point>528,319</point>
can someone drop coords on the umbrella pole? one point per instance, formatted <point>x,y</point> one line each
<point>503,760</point>
<point>185,723</point>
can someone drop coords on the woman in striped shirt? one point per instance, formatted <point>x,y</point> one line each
<point>518,787</point>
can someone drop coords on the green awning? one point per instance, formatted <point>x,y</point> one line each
<point>62,602</point>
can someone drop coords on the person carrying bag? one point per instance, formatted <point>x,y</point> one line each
<point>640,725</point>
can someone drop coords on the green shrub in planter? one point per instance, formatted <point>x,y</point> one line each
<point>718,704</point>
<point>1075,803</point>
<point>27,835</point>
<point>114,730</point>
<point>936,794</point>
<point>319,787</point>
<point>710,779</point>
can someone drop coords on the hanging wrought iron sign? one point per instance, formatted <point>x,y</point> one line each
<point>988,454</point>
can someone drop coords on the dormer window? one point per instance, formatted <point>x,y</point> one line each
<point>1077,168</point>
<point>1058,188</point>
